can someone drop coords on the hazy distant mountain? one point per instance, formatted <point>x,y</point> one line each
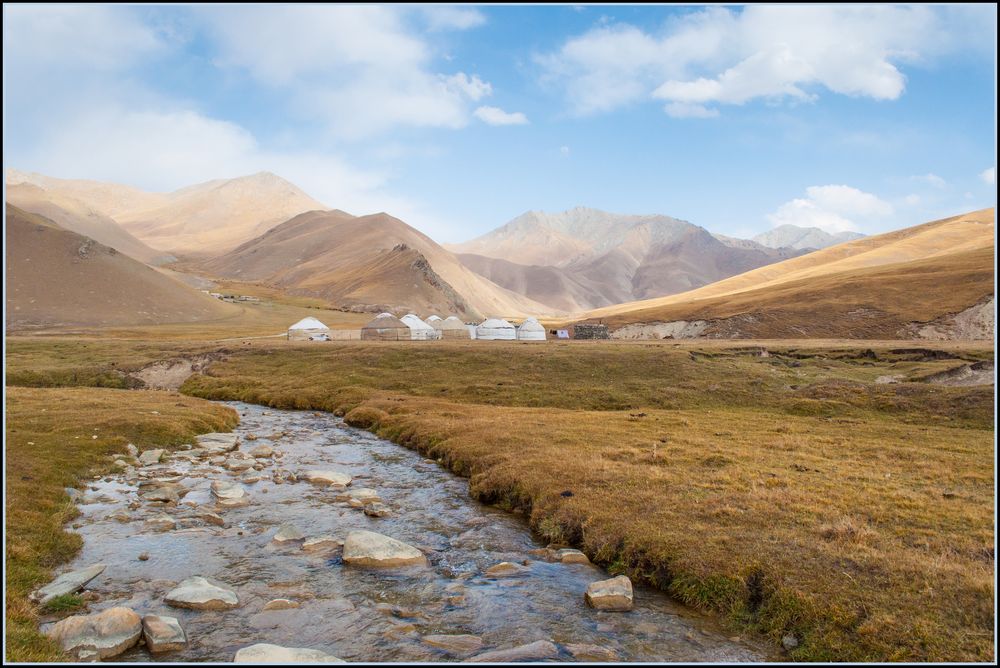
<point>793,236</point>
<point>375,262</point>
<point>56,277</point>
<point>584,258</point>
<point>207,218</point>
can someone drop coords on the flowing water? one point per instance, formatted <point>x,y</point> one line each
<point>350,612</point>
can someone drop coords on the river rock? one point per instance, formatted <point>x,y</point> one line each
<point>264,653</point>
<point>320,543</point>
<point>161,492</point>
<point>250,477</point>
<point>614,594</point>
<point>280,604</point>
<point>150,457</point>
<point>161,522</point>
<point>163,634</point>
<point>367,548</point>
<point>262,451</point>
<point>333,478</point>
<point>218,442</point>
<point>454,644</point>
<point>119,464</point>
<point>198,593</point>
<point>504,569</point>
<point>571,556</point>
<point>288,533</point>
<point>212,518</point>
<point>73,493</point>
<point>789,642</point>
<point>536,651</point>
<point>377,510</point>
<point>222,489</point>
<point>67,583</point>
<point>132,450</point>
<point>102,635</point>
<point>234,464</point>
<point>363,494</point>
<point>583,652</point>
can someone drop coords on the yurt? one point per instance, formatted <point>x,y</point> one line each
<point>308,328</point>
<point>419,330</point>
<point>385,327</point>
<point>431,319</point>
<point>496,329</point>
<point>451,328</point>
<point>531,330</point>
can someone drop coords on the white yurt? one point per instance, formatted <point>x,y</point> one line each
<point>431,319</point>
<point>452,328</point>
<point>496,329</point>
<point>531,330</point>
<point>419,330</point>
<point>308,328</point>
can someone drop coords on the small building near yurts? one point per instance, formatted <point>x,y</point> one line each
<point>531,330</point>
<point>385,327</point>
<point>452,328</point>
<point>420,330</point>
<point>308,328</point>
<point>496,329</point>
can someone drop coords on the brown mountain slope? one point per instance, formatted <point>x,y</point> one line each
<point>75,216</point>
<point>206,218</point>
<point>877,287</point>
<point>969,231</point>
<point>594,258</point>
<point>60,278</point>
<point>365,262</point>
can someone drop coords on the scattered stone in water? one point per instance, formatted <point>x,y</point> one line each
<point>262,451</point>
<point>163,634</point>
<point>222,489</point>
<point>218,442</point>
<point>212,518</point>
<point>265,653</point>
<point>571,556</point>
<point>288,533</point>
<point>144,556</point>
<point>454,644</point>
<point>377,510</point>
<point>536,651</point>
<point>370,549</point>
<point>238,464</point>
<point>584,652</point>
<point>150,457</point>
<point>73,494</point>
<point>333,478</point>
<point>250,477</point>
<point>280,604</point>
<point>161,522</point>
<point>98,636</point>
<point>504,569</point>
<point>613,595</point>
<point>198,593</point>
<point>67,583</point>
<point>321,543</point>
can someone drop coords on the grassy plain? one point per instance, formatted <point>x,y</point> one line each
<point>790,493</point>
<point>51,445</point>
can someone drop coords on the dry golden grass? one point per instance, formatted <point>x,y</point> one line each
<point>789,493</point>
<point>49,446</point>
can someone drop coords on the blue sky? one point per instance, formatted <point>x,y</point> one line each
<point>458,118</point>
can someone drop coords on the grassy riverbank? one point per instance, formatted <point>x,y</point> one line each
<point>51,445</point>
<point>790,493</point>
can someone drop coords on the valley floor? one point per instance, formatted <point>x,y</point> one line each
<point>825,492</point>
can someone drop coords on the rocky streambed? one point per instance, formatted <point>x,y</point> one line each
<point>298,538</point>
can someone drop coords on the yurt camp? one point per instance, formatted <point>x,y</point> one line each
<point>495,329</point>
<point>431,319</point>
<point>385,327</point>
<point>419,330</point>
<point>309,329</point>
<point>531,330</point>
<point>451,328</point>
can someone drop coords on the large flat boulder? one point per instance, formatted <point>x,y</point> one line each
<point>197,593</point>
<point>98,636</point>
<point>454,644</point>
<point>67,583</point>
<point>614,594</point>
<point>265,653</point>
<point>163,634</point>
<point>218,442</point>
<point>332,478</point>
<point>536,651</point>
<point>150,457</point>
<point>373,550</point>
<point>223,489</point>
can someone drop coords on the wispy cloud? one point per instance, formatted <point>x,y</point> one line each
<point>832,208</point>
<point>989,176</point>
<point>497,116</point>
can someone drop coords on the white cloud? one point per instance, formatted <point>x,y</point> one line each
<point>832,208</point>
<point>497,116</point>
<point>360,70</point>
<point>733,56</point>
<point>688,110</point>
<point>452,18</point>
<point>989,176</point>
<point>931,179</point>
